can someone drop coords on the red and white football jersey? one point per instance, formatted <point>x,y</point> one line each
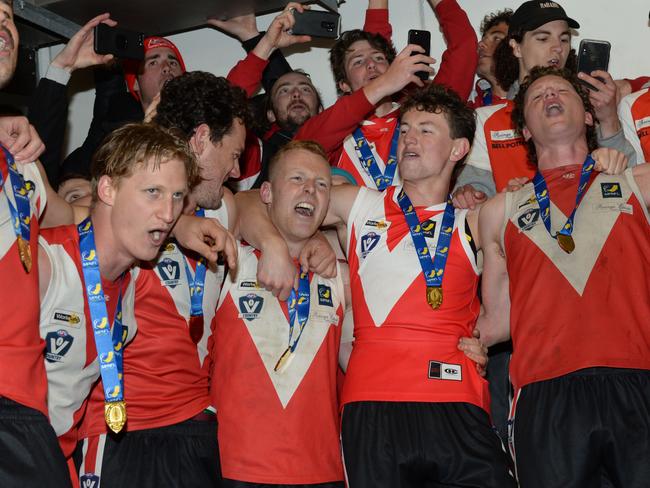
<point>404,350</point>
<point>588,308</point>
<point>276,428</point>
<point>634,113</point>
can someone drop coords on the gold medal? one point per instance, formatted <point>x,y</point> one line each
<point>566,243</point>
<point>434,296</point>
<point>196,328</point>
<point>284,361</point>
<point>25,253</point>
<point>115,415</point>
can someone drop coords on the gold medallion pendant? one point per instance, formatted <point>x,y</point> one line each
<point>566,243</point>
<point>434,296</point>
<point>284,361</point>
<point>25,253</point>
<point>115,415</point>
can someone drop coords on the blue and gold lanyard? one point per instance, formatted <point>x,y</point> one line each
<point>298,306</point>
<point>21,211</point>
<point>197,288</point>
<point>563,236</point>
<point>487,97</point>
<point>369,163</point>
<point>433,270</point>
<point>109,349</point>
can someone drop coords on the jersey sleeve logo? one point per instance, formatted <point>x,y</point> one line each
<point>611,190</point>
<point>57,345</point>
<point>250,306</point>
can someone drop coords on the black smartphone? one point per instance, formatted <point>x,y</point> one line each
<point>122,43</point>
<point>593,55</point>
<point>316,23</point>
<point>423,39</point>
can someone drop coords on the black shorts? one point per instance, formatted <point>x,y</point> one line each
<point>30,455</point>
<point>590,428</point>
<point>422,445</point>
<point>226,483</point>
<point>181,455</point>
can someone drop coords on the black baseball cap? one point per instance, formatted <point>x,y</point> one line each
<point>533,14</point>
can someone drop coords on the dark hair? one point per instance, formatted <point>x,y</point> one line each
<point>461,118</point>
<point>342,46</point>
<point>196,98</point>
<point>268,102</point>
<point>495,18</point>
<point>295,145</point>
<point>536,73</point>
<point>140,145</point>
<point>506,64</point>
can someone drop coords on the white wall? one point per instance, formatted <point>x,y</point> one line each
<point>623,23</point>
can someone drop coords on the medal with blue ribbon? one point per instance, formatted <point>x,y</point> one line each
<point>563,236</point>
<point>197,288</point>
<point>109,348</point>
<point>369,163</point>
<point>20,209</point>
<point>433,270</point>
<point>298,306</point>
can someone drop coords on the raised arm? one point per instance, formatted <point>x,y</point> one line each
<point>494,321</point>
<point>377,19</point>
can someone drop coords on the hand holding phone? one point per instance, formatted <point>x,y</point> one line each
<point>316,23</point>
<point>121,43</point>
<point>421,38</point>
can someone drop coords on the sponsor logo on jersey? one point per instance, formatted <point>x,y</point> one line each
<point>445,371</point>
<point>325,295</point>
<point>368,243</point>
<point>428,228</point>
<point>531,201</point>
<point>57,345</point>
<point>169,248</point>
<point>642,123</point>
<point>89,481</point>
<point>170,272</point>
<point>611,190</point>
<point>250,306</point>
<point>248,285</point>
<point>504,135</point>
<point>377,224</point>
<point>528,219</point>
<point>67,318</point>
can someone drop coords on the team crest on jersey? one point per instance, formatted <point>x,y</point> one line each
<point>368,243</point>
<point>66,318</point>
<point>325,295</point>
<point>57,345</point>
<point>611,190</point>
<point>528,219</point>
<point>250,306</point>
<point>170,272</point>
<point>89,481</point>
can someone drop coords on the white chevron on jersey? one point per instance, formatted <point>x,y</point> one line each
<point>37,200</point>
<point>170,268</point>
<point>268,325</point>
<point>589,234</point>
<point>71,375</point>
<point>377,270</point>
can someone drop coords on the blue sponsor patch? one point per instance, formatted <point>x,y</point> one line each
<point>325,295</point>
<point>250,306</point>
<point>57,345</point>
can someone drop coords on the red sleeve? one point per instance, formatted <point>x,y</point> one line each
<point>459,61</point>
<point>638,83</point>
<point>377,23</point>
<point>332,126</point>
<point>247,73</point>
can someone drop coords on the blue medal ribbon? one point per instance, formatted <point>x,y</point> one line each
<point>563,236</point>
<point>109,349</point>
<point>433,270</point>
<point>197,288</point>
<point>20,208</point>
<point>487,97</point>
<point>369,163</point>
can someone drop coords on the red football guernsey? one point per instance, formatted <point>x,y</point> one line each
<point>498,147</point>
<point>22,373</point>
<point>404,350</point>
<point>276,427</point>
<point>588,308</point>
<point>634,113</point>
